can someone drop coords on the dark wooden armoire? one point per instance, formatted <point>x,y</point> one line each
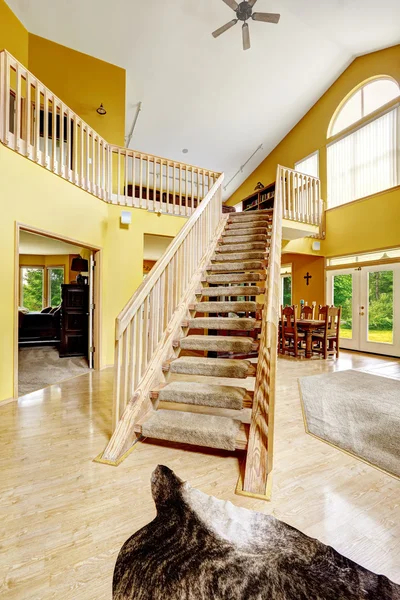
<point>74,320</point>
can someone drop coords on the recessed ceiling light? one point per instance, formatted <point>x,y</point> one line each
<point>185,151</point>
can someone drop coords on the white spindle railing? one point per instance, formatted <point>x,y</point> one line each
<point>147,326</point>
<point>301,197</point>
<point>35,123</point>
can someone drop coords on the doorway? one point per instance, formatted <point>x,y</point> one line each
<point>370,301</point>
<point>57,332</point>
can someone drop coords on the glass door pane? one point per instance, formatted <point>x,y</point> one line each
<point>343,296</point>
<point>380,307</point>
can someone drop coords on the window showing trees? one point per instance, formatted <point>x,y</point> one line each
<point>380,306</point>
<point>32,288</point>
<point>363,102</point>
<point>286,285</point>
<point>55,280</point>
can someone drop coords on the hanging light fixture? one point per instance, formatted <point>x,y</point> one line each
<point>101,110</point>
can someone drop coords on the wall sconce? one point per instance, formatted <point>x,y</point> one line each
<point>101,110</point>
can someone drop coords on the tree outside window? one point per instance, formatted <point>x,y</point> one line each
<point>32,281</point>
<point>55,280</point>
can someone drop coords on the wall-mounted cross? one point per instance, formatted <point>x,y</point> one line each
<point>308,277</point>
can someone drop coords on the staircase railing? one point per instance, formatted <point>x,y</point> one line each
<point>260,447</point>
<point>148,325</point>
<point>301,197</point>
<point>37,124</point>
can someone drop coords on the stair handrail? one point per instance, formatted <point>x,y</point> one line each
<point>145,327</point>
<point>259,459</point>
<point>114,174</point>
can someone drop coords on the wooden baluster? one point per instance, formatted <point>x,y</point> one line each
<point>132,380</point>
<point>87,161</point>
<point>145,337</point>
<point>5,129</point>
<point>37,123</point>
<point>125,370</point>
<point>28,112</point>
<point>117,385</point>
<point>138,346</point>
<point>180,189</point>
<point>61,163</point>
<point>186,191</point>
<point>174,189</point>
<point>75,151</point>
<point>167,187</point>
<point>147,181</point>
<point>141,181</point>
<point>82,157</point>
<point>46,129</point>
<point>54,112</point>
<point>154,183</point>
<point>17,117</point>
<point>68,157</point>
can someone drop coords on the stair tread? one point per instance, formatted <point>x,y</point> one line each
<point>235,278</point>
<point>225,306</point>
<point>254,265</point>
<point>245,239</point>
<point>245,215</point>
<point>212,367</point>
<point>224,323</point>
<point>239,256</point>
<point>197,429</point>
<point>241,247</point>
<point>219,343</point>
<point>232,290</point>
<point>203,394</point>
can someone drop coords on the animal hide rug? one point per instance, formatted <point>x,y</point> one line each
<point>201,548</point>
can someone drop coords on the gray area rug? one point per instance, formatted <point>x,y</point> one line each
<point>357,412</point>
<point>42,366</point>
<point>202,548</point>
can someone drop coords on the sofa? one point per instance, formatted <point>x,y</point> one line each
<point>39,326</point>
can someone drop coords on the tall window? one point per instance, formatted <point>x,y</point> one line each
<point>32,288</point>
<point>309,165</point>
<point>55,278</point>
<point>365,161</point>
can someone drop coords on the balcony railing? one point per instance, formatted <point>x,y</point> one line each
<point>37,124</point>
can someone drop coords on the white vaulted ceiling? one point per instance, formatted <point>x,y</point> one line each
<point>207,94</point>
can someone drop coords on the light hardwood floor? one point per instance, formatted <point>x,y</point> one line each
<point>64,517</point>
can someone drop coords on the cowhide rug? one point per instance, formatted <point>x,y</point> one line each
<point>201,548</point>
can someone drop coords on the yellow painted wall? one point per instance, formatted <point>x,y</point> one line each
<point>13,35</point>
<point>82,82</point>
<point>315,266</point>
<point>49,203</point>
<point>373,223</point>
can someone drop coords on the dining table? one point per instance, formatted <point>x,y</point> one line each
<point>309,326</point>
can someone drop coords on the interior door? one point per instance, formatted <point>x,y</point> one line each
<point>343,290</point>
<point>379,309</point>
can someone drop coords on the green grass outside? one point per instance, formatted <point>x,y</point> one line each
<point>383,336</point>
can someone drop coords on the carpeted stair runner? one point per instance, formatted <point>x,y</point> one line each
<point>224,323</point>
<point>239,256</point>
<point>254,265</point>
<point>245,239</point>
<point>202,394</point>
<point>225,307</point>
<point>210,367</point>
<point>231,290</point>
<point>217,343</point>
<point>191,428</point>
<point>241,247</point>
<point>235,278</point>
<point>229,328</point>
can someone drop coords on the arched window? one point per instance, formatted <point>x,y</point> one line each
<point>365,158</point>
<point>363,102</point>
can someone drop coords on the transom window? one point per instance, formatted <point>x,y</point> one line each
<point>363,102</point>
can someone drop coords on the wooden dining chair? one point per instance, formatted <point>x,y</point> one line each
<point>326,341</point>
<point>307,312</point>
<point>291,337</point>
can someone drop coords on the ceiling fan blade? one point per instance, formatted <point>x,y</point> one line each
<point>224,28</point>
<point>232,4</point>
<point>246,36</point>
<point>266,17</point>
<point>251,2</point>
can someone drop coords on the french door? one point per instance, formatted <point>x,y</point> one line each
<point>370,301</point>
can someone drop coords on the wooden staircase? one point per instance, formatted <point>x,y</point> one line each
<point>197,405</point>
<point>196,345</point>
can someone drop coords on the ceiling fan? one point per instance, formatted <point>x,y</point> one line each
<point>244,12</point>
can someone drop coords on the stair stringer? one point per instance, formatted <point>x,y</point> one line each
<point>140,405</point>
